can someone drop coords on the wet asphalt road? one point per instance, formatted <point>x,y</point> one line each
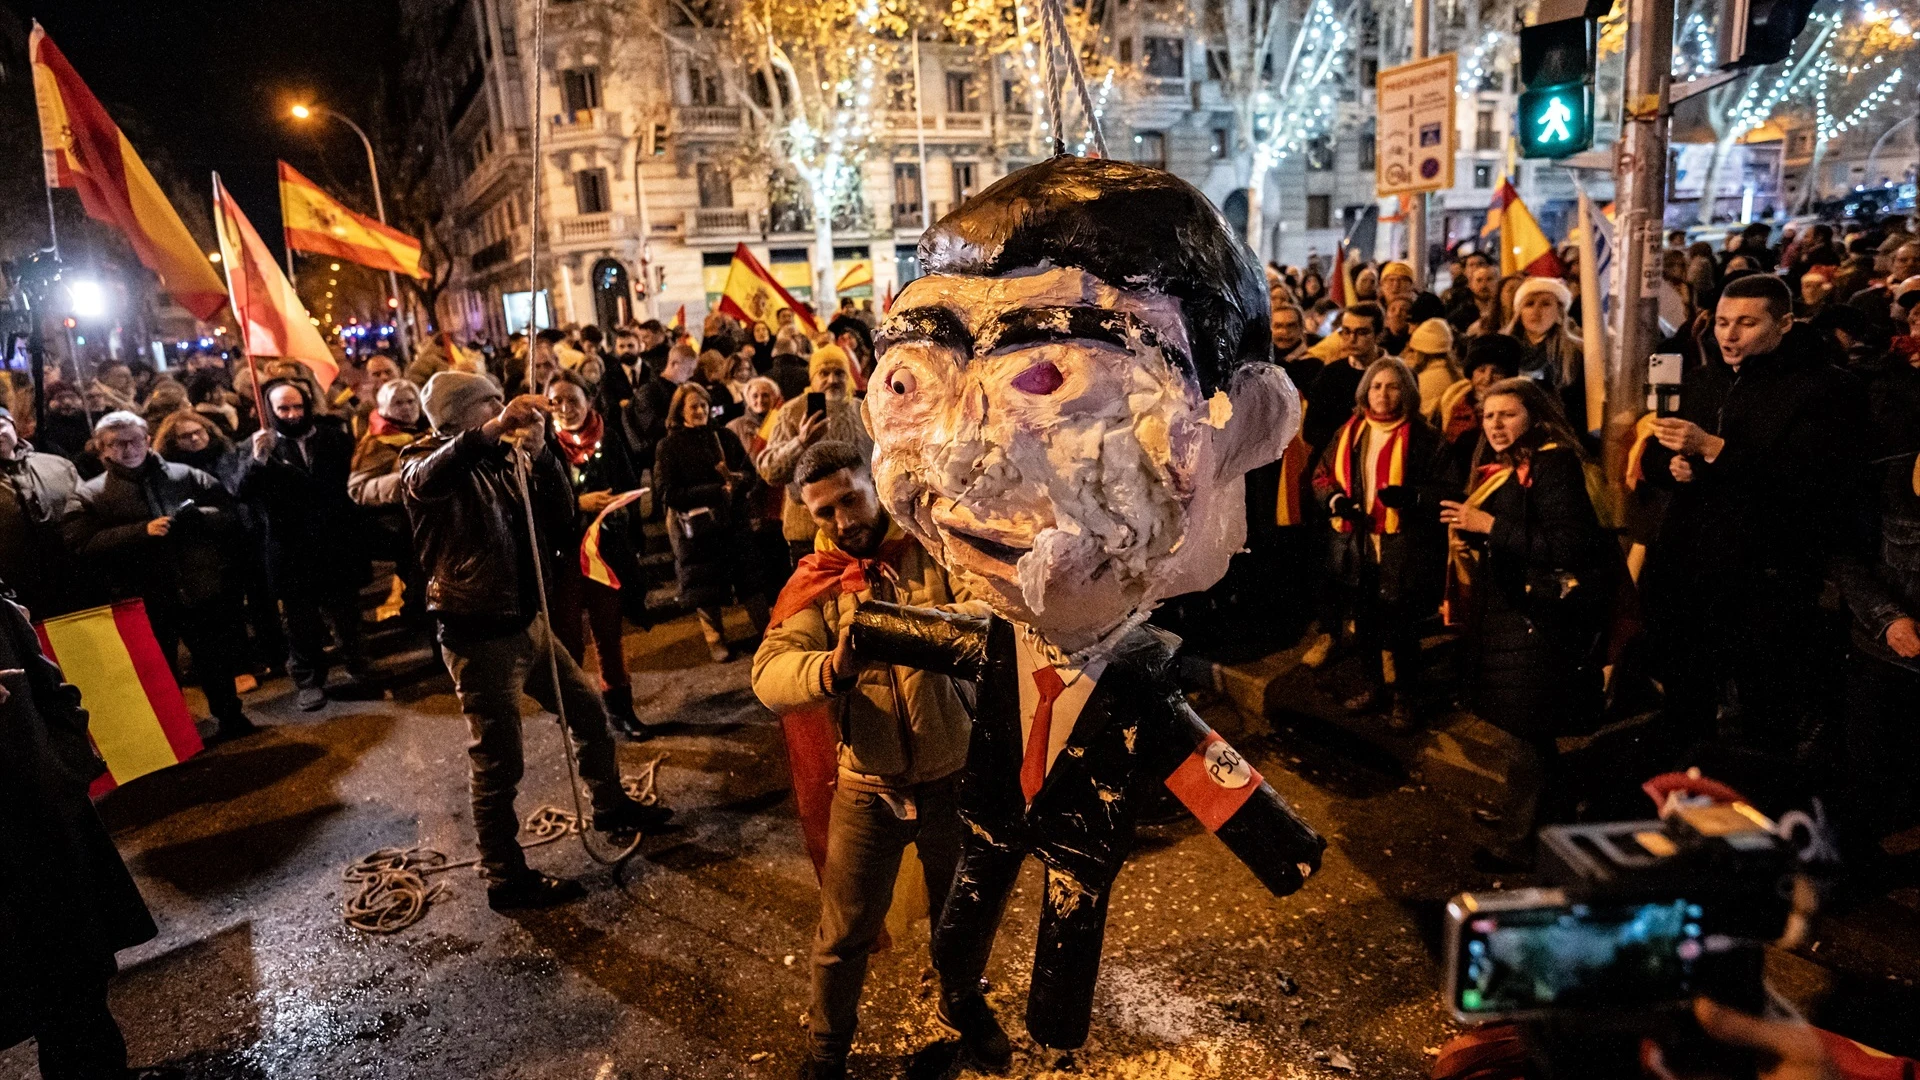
<point>691,961</point>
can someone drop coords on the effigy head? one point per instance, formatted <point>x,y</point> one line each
<point>1063,407</point>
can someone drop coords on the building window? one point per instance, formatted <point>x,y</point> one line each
<point>962,181</point>
<point>1126,51</point>
<point>906,195</point>
<point>1319,211</point>
<point>1367,149</point>
<point>1369,71</point>
<point>580,89</point>
<point>1217,65</point>
<point>1483,175</point>
<point>1166,57</point>
<point>963,92</point>
<point>1222,144</point>
<point>703,86</point>
<point>1150,148</point>
<point>590,191</point>
<point>1484,136</point>
<point>716,186</point>
<point>1320,153</point>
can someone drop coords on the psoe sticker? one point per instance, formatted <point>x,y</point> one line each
<point>1226,767</point>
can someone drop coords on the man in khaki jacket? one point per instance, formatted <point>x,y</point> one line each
<point>903,733</point>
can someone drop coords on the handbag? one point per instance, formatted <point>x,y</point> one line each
<point>704,523</point>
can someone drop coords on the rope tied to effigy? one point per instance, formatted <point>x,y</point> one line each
<point>391,887</point>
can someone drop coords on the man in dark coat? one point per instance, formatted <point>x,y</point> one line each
<point>296,476</point>
<point>1758,460</point>
<point>1330,398</point>
<point>35,490</point>
<point>165,533</point>
<point>67,903</point>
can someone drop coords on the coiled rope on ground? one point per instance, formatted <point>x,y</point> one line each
<point>391,891</point>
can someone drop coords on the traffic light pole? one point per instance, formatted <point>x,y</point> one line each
<point>1417,204</point>
<point>1641,196</point>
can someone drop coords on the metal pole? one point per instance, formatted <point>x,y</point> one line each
<point>1417,205</point>
<point>53,230</point>
<point>648,274</point>
<point>920,133</point>
<point>380,211</point>
<point>1641,178</point>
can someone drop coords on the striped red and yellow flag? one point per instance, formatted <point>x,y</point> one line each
<point>273,321</point>
<point>86,151</point>
<point>315,221</point>
<point>752,296</point>
<point>591,563</point>
<point>1524,247</point>
<point>137,719</point>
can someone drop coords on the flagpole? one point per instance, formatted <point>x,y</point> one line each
<point>1592,330</point>
<point>53,230</point>
<point>221,224</point>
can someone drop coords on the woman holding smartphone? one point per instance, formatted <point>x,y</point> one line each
<point>700,469</point>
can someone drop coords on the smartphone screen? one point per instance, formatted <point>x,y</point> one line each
<point>1573,957</point>
<point>816,403</point>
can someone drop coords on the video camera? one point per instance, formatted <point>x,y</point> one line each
<point>1641,917</point>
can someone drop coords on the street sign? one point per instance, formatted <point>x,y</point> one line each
<point>1555,121</point>
<point>1415,131</point>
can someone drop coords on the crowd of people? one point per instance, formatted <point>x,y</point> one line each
<point>1754,584</point>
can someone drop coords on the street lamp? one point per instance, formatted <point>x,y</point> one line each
<point>304,112</point>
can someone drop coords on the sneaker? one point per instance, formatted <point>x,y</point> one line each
<point>533,890</point>
<point>234,726</point>
<point>832,1068</point>
<point>632,817</point>
<point>310,698</point>
<point>981,1036</point>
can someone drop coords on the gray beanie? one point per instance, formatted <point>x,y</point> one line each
<point>450,393</point>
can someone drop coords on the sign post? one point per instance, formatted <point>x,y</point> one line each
<point>1416,137</point>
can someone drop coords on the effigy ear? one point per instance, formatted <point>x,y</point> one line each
<point>1263,415</point>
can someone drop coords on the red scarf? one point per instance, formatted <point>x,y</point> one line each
<point>580,445</point>
<point>1390,468</point>
<point>819,572</point>
<point>379,425</point>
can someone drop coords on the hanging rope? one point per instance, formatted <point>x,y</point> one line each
<point>1054,117</point>
<point>393,892</point>
<point>533,214</point>
<point>1054,12</point>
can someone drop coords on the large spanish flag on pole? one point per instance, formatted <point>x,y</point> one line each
<point>136,717</point>
<point>315,221</point>
<point>86,151</point>
<point>273,321</point>
<point>1524,248</point>
<point>752,296</point>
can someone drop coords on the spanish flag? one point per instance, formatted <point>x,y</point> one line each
<point>1524,249</point>
<point>137,719</point>
<point>859,272</point>
<point>86,151</point>
<point>316,222</point>
<point>752,296</point>
<point>592,563</point>
<point>273,321</point>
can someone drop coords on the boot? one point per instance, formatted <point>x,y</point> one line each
<point>715,632</point>
<point>758,613</point>
<point>619,700</point>
<point>981,1037</point>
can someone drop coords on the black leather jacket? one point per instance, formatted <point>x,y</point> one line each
<point>469,528</point>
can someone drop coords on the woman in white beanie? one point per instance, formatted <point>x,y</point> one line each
<point>1429,353</point>
<point>1553,353</point>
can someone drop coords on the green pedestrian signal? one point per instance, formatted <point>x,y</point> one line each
<point>1555,121</point>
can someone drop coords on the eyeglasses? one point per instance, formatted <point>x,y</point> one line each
<point>1355,331</point>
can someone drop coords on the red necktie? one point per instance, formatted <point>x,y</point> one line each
<point>1033,769</point>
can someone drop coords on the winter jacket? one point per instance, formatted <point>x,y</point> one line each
<point>470,530</point>
<point>373,477</point>
<point>35,493</point>
<point>1879,574</point>
<point>713,562</point>
<point>784,448</point>
<point>899,726</point>
<point>312,526</point>
<point>1408,572</point>
<point>67,903</point>
<point>608,468</point>
<point>1762,516</point>
<point>1536,604</point>
<point>108,529</point>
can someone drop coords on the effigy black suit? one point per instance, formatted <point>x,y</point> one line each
<point>1135,727</point>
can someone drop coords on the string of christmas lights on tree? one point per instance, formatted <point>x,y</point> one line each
<point>1480,62</point>
<point>1303,109</point>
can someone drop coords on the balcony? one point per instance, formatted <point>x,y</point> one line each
<point>969,125</point>
<point>906,217</point>
<point>505,165</point>
<point>492,255</point>
<point>697,121</point>
<point>586,124</point>
<point>585,230</point>
<point>1164,88</point>
<point>719,221</point>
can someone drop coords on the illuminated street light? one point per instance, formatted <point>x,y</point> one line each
<point>300,112</point>
<point>89,299</point>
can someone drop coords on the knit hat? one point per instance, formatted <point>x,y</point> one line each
<point>1433,337</point>
<point>828,356</point>
<point>1501,351</point>
<point>1552,286</point>
<point>1396,267</point>
<point>450,393</point>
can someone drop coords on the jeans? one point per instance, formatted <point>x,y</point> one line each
<point>864,844</point>
<point>489,675</point>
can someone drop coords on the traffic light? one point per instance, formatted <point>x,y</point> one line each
<point>1756,32</point>
<point>1555,117</point>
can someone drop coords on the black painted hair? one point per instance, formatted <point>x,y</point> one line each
<point>1133,227</point>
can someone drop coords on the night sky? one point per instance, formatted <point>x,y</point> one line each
<point>204,85</point>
